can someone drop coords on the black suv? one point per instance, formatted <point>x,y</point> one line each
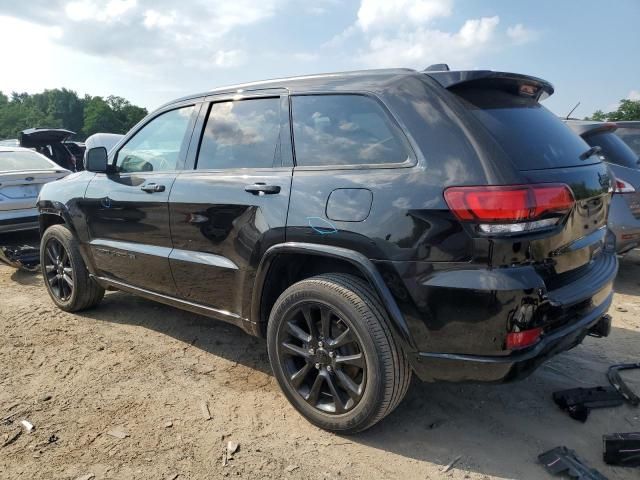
<point>369,224</point>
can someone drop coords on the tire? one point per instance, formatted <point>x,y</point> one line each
<point>358,344</point>
<point>65,273</point>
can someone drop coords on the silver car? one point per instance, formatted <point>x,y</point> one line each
<point>22,174</point>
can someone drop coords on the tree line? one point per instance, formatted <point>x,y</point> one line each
<point>627,110</point>
<point>63,108</point>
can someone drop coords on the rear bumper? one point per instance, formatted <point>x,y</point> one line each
<point>500,369</point>
<point>17,220</point>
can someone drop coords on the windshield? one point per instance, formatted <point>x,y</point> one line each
<point>530,134</point>
<point>614,150</point>
<point>630,136</point>
<point>24,160</point>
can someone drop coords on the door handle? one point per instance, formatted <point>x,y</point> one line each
<point>262,189</point>
<point>152,188</point>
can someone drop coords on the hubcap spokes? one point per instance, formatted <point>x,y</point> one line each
<point>322,358</point>
<point>57,270</point>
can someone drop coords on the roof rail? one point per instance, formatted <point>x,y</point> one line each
<point>437,67</point>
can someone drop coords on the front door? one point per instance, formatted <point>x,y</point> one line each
<point>127,210</point>
<point>233,205</point>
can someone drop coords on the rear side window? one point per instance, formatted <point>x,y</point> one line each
<point>241,134</point>
<point>631,137</point>
<point>614,150</point>
<point>532,136</point>
<point>24,160</point>
<point>344,130</point>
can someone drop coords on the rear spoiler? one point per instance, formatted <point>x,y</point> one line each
<point>516,83</point>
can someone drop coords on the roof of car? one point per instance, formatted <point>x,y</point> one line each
<point>362,79</point>
<point>628,124</point>
<point>4,148</point>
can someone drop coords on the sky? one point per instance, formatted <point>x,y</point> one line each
<point>152,51</point>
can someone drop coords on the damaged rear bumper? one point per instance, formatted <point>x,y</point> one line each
<point>517,365</point>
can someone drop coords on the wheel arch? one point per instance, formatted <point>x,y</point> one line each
<point>331,258</point>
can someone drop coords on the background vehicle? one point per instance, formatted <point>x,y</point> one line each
<point>49,142</point>
<point>629,132</point>
<point>624,215</point>
<point>368,224</point>
<point>106,140</point>
<point>22,174</point>
<point>10,142</point>
<point>76,149</point>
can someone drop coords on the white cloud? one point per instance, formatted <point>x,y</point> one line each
<point>155,19</point>
<point>423,46</point>
<point>229,58</point>
<point>634,95</point>
<point>84,10</point>
<point>375,14</point>
<point>520,34</point>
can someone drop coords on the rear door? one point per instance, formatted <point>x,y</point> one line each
<point>127,210</point>
<point>232,206</point>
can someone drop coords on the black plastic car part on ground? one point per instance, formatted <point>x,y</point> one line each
<point>370,224</point>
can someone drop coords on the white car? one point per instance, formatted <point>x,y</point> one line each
<point>22,174</point>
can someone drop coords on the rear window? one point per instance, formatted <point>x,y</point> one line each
<point>24,161</point>
<point>630,136</point>
<point>614,150</point>
<point>531,135</point>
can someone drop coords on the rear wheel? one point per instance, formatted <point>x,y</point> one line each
<point>65,273</point>
<point>333,353</point>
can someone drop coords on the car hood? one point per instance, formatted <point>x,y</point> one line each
<point>36,137</point>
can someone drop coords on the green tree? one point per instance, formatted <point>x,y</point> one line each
<point>627,110</point>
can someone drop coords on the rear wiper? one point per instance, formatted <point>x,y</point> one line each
<point>592,151</point>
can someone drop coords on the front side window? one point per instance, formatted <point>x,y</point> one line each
<point>241,134</point>
<point>344,130</point>
<point>156,147</point>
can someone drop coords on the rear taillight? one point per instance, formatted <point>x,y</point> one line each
<point>523,339</point>
<point>510,209</point>
<point>623,187</point>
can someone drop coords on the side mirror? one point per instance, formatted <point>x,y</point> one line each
<point>96,160</point>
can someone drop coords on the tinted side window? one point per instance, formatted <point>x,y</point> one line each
<point>344,130</point>
<point>241,134</point>
<point>156,147</point>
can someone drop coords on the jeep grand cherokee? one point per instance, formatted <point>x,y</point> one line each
<point>370,225</point>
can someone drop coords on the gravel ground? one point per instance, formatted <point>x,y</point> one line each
<point>119,392</point>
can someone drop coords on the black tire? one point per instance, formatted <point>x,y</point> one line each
<point>377,380</point>
<point>65,273</point>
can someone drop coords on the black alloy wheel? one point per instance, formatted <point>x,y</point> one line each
<point>58,270</point>
<point>322,358</point>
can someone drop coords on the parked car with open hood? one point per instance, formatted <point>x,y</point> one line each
<point>369,224</point>
<point>624,214</point>
<point>49,142</point>
<point>22,174</point>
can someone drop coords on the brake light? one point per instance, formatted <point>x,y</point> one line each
<point>510,209</point>
<point>523,339</point>
<point>623,187</point>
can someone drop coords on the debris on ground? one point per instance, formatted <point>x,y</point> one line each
<point>622,449</point>
<point>451,464</point>
<point>53,438</point>
<point>117,433</point>
<point>563,460</point>
<point>232,447</point>
<point>168,424</point>
<point>28,426</point>
<point>88,476</point>
<point>578,402</point>
<point>12,438</point>
<point>291,468</point>
<point>23,257</point>
<point>616,380</point>
<point>204,406</point>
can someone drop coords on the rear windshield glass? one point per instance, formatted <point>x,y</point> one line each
<point>631,137</point>
<point>614,150</point>
<point>23,161</point>
<point>530,134</point>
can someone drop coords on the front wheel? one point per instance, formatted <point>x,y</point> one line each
<point>65,273</point>
<point>333,354</point>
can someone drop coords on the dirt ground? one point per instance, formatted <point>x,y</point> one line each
<point>132,367</point>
